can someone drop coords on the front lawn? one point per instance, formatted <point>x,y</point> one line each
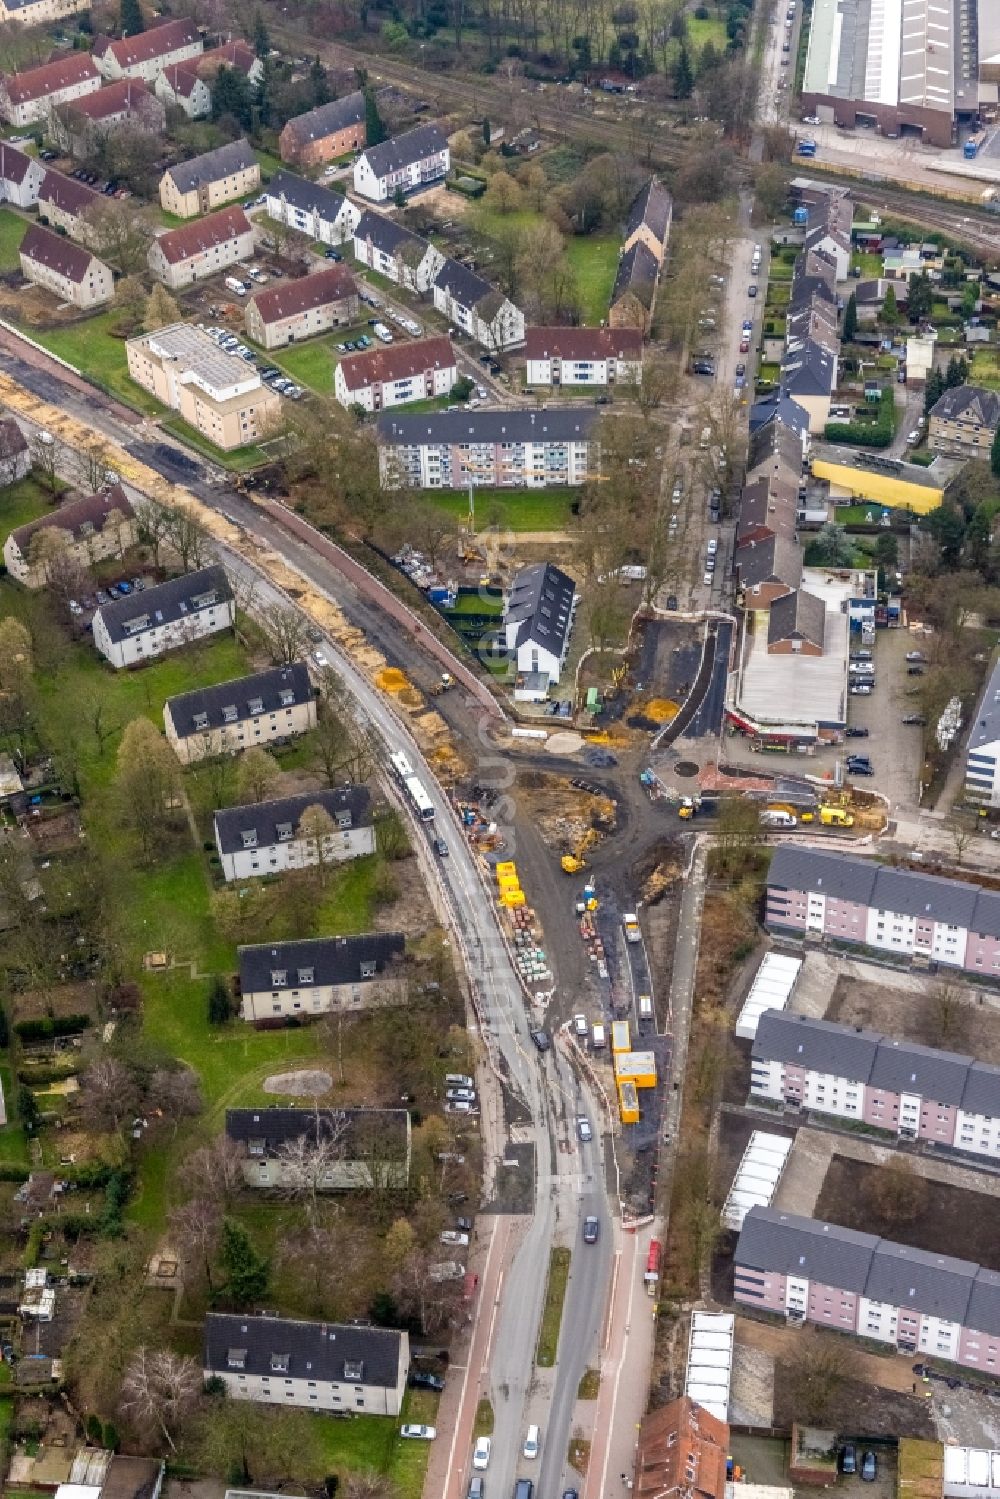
<point>93,349</point>
<point>985,368</point>
<point>594,258</point>
<point>510,509</point>
<point>870,265</point>
<point>310,364</point>
<point>12,231</point>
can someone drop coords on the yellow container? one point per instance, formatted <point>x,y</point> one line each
<point>638,1067</point>
<point>628,1103</point>
<point>509,882</point>
<point>512,898</point>
<point>506,869</point>
<point>620,1038</point>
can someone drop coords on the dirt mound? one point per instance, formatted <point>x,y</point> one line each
<point>657,872</point>
<point>302,1084</point>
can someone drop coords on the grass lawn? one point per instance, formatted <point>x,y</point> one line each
<point>93,349</point>
<point>12,227</point>
<point>311,364</point>
<point>374,1442</point>
<point>555,1295</point>
<point>712,29</point>
<point>594,258</point>
<point>511,509</point>
<point>268,164</point>
<point>20,503</point>
<point>239,460</point>
<point>778,294</point>
<point>871,265</point>
<point>985,368</point>
<point>13,1144</point>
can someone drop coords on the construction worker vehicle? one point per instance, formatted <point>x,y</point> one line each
<point>630,924</point>
<point>836,817</point>
<point>574,862</point>
<point>445,681</point>
<point>688,806</point>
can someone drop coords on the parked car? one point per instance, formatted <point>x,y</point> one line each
<point>752,289</point>
<point>914,671</point>
<point>419,1433</point>
<point>591,1230</point>
<point>481,1453</point>
<point>453,1237</point>
<point>584,1130</point>
<point>861,689</point>
<point>915,656</point>
<point>542,1040</point>
<point>671,601</point>
<point>420,1381</point>
<point>917,719</point>
<point>869,1467</point>
<point>460,1095</point>
<point>854,732</point>
<point>848,1459</point>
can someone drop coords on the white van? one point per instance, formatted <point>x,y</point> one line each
<point>236,287</point>
<point>531,1442</point>
<point>772,817</point>
<point>706,437</point>
<point>645,1007</point>
<point>598,1040</point>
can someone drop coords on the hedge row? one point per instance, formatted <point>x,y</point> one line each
<point>51,1025</point>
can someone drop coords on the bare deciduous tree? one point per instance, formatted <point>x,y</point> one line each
<point>305,1163</point>
<point>317,827</point>
<point>258,775</point>
<point>43,460</point>
<point>109,1093</point>
<point>175,1092</point>
<point>160,1389</point>
<point>285,633</point>
<point>214,1171</point>
<point>194,1233</point>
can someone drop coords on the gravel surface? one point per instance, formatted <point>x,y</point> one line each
<point>304,1084</point>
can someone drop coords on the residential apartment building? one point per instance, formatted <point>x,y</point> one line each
<point>538,616</point>
<point>294,980</point>
<point>320,134</point>
<point>478,308</point>
<point>180,84</point>
<point>386,247</point>
<point>64,203</point>
<point>319,212</point>
<point>402,164</point>
<point>982,753</point>
<point>81,124</point>
<point>634,291</point>
<point>649,220</point>
<point>815,894</point>
<point>71,273</point>
<point>681,1453</point>
<point>20,176</point>
<point>913,1092</point>
<point>796,625</point>
<point>767,570</point>
<point>173,614</point>
<point>510,449</point>
<point>236,54</point>
<point>828,228</point>
<point>265,708</point>
<point>294,310</point>
<point>149,52</point>
<point>29,96</point>
<point>201,249</point>
<point>384,377</point>
<point>366,1148</point>
<point>217,393</point>
<point>39,12</point>
<point>316,1365</point>
<point>916,1302</point>
<point>583,356</point>
<point>15,454</point>
<point>92,526</point>
<point>268,837</point>
<point>205,182</point>
<point>963,422</point>
<point>809,376</point>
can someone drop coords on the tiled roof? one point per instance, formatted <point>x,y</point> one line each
<point>166,603</point>
<point>969,403</point>
<point>305,195</point>
<point>230,702</point>
<point>400,362</point>
<point>201,234</point>
<point>182,77</point>
<point>236,54</point>
<point>463,285</point>
<point>583,343</point>
<point>767,504</point>
<point>776,559</point>
<point>289,298</point>
<point>637,273</point>
<point>836,875</point>
<point>67,193</point>
<point>329,961</point>
<point>155,41</point>
<point>817,1045</point>
<point>121,97</point>
<point>265,819</point>
<point>56,252</point>
<point>50,78</point>
<point>405,150</point>
<point>327,119</point>
<point>212,166</point>
<point>654,207</point>
<point>356,1130</point>
<point>14,164</point>
<point>87,512</point>
<point>797,616</point>
<point>787,1244</point>
<point>935,1284</point>
<point>387,235</point>
<point>323,1351</point>
<point>904,1067</point>
<point>540,602</point>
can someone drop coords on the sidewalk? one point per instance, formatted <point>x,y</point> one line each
<point>625,1359</point>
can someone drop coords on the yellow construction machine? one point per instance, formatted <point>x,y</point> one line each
<point>574,862</point>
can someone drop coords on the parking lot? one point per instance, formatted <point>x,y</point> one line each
<point>897,748</point>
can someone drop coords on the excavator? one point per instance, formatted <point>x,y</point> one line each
<point>574,862</point>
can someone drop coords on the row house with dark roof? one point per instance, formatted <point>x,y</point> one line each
<point>34,93</point>
<point>510,449</point>
<point>644,248</point>
<point>963,422</point>
<point>265,838</point>
<point>478,308</point>
<point>365,1148</point>
<point>203,248</point>
<point>70,272</point>
<point>913,1092</point>
<point>90,527</point>
<point>144,625</point>
<point>146,54</point>
<point>323,133</point>
<point>319,975</point>
<point>817,894</point>
<point>538,615</point>
<point>203,183</point>
<point>402,164</point>
<point>404,257</point>
<point>649,219</point>
<point>268,707</point>
<point>300,309</point>
<point>308,208</point>
<point>81,124</point>
<point>21,176</point>
<point>67,204</point>
<point>915,1301</point>
<point>379,378</point>
<point>323,1366</point>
